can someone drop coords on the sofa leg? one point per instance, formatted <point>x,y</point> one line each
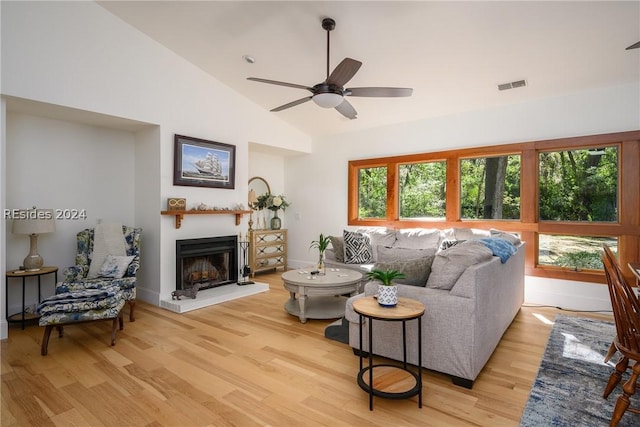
<point>462,382</point>
<point>357,352</point>
<point>132,306</point>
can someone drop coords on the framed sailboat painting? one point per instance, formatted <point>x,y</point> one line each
<point>202,163</point>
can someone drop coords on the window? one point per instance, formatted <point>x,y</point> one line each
<point>565,197</point>
<point>579,185</point>
<point>490,187</point>
<point>372,192</point>
<point>422,190</point>
<point>573,252</point>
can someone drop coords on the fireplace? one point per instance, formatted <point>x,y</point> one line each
<point>208,262</point>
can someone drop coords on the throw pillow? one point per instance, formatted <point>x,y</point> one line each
<point>357,248</point>
<point>416,271</point>
<point>337,243</point>
<point>511,237</point>
<point>470,233</point>
<point>115,266</point>
<point>380,236</point>
<point>417,238</point>
<point>386,254</point>
<point>446,244</point>
<point>449,264</point>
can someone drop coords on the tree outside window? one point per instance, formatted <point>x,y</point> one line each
<point>490,187</point>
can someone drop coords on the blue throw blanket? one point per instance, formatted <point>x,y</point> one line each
<point>500,247</point>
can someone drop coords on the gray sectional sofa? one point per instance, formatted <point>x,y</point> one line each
<point>472,293</point>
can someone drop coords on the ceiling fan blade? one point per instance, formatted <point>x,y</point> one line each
<point>344,72</point>
<point>292,104</point>
<point>275,82</point>
<point>633,46</point>
<point>347,110</point>
<point>386,92</point>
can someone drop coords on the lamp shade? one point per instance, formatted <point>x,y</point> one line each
<point>34,221</point>
<point>328,100</point>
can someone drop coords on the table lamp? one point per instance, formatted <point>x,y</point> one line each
<point>33,222</point>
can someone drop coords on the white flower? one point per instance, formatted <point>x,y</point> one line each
<point>277,201</point>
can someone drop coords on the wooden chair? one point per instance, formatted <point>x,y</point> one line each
<point>626,313</point>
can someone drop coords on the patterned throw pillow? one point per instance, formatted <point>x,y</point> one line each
<point>357,248</point>
<point>338,247</point>
<point>115,266</point>
<point>446,244</point>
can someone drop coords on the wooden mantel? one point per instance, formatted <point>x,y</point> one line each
<point>180,214</point>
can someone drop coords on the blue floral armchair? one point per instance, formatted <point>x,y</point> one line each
<point>75,277</point>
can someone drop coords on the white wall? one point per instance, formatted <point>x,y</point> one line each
<point>317,184</point>
<point>77,55</point>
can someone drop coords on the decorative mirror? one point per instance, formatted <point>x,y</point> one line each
<point>257,187</point>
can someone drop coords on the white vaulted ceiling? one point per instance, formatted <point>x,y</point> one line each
<point>453,54</point>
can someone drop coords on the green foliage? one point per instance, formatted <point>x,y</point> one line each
<point>385,276</point>
<point>372,193</point>
<point>477,201</point>
<point>580,260</point>
<point>321,244</point>
<point>422,190</point>
<point>579,185</point>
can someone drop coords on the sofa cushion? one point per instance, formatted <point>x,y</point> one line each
<point>417,238</point>
<point>386,254</point>
<point>337,242</point>
<point>510,237</point>
<point>449,264</point>
<point>416,271</point>
<point>380,236</point>
<point>357,248</point>
<point>470,233</point>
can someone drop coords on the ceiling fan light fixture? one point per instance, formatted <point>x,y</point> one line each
<point>328,100</point>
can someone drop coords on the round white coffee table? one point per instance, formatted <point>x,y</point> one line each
<point>321,297</point>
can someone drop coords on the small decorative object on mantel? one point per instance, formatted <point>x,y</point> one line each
<point>321,244</point>
<point>191,292</point>
<point>387,290</point>
<point>176,204</point>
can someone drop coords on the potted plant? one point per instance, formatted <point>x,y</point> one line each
<point>321,244</point>
<point>387,290</point>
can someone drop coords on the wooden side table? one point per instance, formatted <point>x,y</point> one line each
<point>17,274</point>
<point>391,381</point>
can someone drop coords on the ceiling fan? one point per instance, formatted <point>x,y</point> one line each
<point>331,93</point>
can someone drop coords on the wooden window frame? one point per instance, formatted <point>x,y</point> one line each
<point>626,229</point>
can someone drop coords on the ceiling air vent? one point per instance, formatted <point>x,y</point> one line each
<point>512,85</point>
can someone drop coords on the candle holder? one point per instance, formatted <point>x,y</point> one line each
<point>245,271</point>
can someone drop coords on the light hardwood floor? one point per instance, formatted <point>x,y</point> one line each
<point>244,363</point>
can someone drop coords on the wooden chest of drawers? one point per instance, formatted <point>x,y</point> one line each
<point>267,250</point>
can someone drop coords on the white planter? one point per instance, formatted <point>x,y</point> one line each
<point>387,295</point>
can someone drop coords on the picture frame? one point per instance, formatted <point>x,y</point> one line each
<point>202,163</point>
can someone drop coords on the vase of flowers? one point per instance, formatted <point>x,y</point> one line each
<point>387,290</point>
<point>321,244</point>
<point>275,203</point>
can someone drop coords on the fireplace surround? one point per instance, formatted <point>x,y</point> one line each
<point>209,262</point>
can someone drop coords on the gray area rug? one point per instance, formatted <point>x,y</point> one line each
<point>572,377</point>
<point>338,331</point>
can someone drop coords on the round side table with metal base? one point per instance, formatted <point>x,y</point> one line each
<point>386,380</point>
<point>23,317</point>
